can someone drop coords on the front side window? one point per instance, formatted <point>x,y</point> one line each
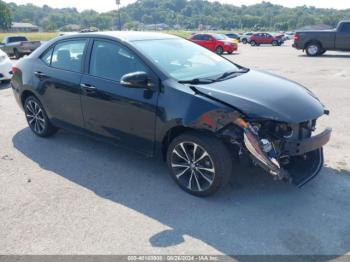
<point>46,57</point>
<point>68,55</point>
<point>111,61</point>
<point>182,59</point>
<point>197,37</point>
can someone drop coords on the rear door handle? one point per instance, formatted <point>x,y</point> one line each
<point>88,88</point>
<point>39,74</point>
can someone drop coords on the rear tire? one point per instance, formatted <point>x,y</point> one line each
<point>244,41</point>
<point>219,50</point>
<point>37,118</point>
<point>313,49</point>
<point>230,53</point>
<point>199,163</point>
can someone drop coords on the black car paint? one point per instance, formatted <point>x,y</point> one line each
<point>136,118</point>
<point>261,95</point>
<point>144,119</point>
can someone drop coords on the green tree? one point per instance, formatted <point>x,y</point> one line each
<point>5,16</point>
<point>187,13</point>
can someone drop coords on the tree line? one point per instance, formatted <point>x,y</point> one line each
<point>187,14</point>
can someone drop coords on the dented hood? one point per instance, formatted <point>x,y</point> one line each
<point>266,96</point>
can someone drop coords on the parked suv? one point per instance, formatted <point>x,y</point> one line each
<point>164,96</point>
<point>265,39</point>
<point>245,38</point>
<point>215,42</point>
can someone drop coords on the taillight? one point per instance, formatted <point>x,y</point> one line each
<point>296,37</point>
<point>14,69</point>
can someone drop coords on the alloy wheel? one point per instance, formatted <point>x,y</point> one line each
<point>192,166</point>
<point>35,117</point>
<point>313,49</point>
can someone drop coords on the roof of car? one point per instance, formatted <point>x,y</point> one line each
<point>127,36</point>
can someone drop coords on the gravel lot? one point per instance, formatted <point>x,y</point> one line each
<point>73,195</point>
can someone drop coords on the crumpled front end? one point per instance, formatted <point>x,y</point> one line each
<point>287,151</point>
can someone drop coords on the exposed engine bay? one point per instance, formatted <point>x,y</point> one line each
<point>290,152</point>
<point>287,151</point>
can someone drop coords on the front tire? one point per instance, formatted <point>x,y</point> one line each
<point>37,118</point>
<point>199,163</point>
<point>244,41</point>
<point>313,49</point>
<point>274,43</point>
<point>253,43</point>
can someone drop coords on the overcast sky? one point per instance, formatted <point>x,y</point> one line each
<point>106,5</point>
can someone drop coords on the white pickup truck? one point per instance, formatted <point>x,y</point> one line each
<point>18,46</point>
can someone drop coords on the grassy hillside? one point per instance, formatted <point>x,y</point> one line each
<point>42,36</point>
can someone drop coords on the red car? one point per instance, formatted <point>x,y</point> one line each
<point>265,39</point>
<point>215,42</point>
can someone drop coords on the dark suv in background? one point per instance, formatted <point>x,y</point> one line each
<point>165,96</point>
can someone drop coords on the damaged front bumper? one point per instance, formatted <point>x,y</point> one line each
<point>305,156</point>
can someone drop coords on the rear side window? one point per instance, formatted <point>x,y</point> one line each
<point>345,28</point>
<point>14,39</point>
<point>197,37</point>
<point>68,55</point>
<point>111,61</point>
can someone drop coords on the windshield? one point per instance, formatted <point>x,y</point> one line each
<point>220,37</point>
<point>184,60</point>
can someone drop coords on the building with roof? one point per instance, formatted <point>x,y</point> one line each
<point>23,27</point>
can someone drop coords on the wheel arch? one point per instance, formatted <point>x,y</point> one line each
<point>172,133</point>
<point>313,41</point>
<point>213,122</point>
<point>25,94</point>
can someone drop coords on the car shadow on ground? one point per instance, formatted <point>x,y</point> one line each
<point>253,215</point>
<point>327,56</point>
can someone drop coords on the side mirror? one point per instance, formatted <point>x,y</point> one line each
<point>136,80</point>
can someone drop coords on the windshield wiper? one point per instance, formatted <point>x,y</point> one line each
<point>231,73</point>
<point>197,81</point>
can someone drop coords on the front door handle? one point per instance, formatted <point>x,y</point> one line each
<point>40,75</point>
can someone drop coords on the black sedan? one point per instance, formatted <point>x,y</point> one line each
<point>165,96</point>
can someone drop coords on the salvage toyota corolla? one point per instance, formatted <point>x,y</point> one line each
<point>165,96</point>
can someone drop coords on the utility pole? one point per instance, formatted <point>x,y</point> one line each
<point>119,21</point>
